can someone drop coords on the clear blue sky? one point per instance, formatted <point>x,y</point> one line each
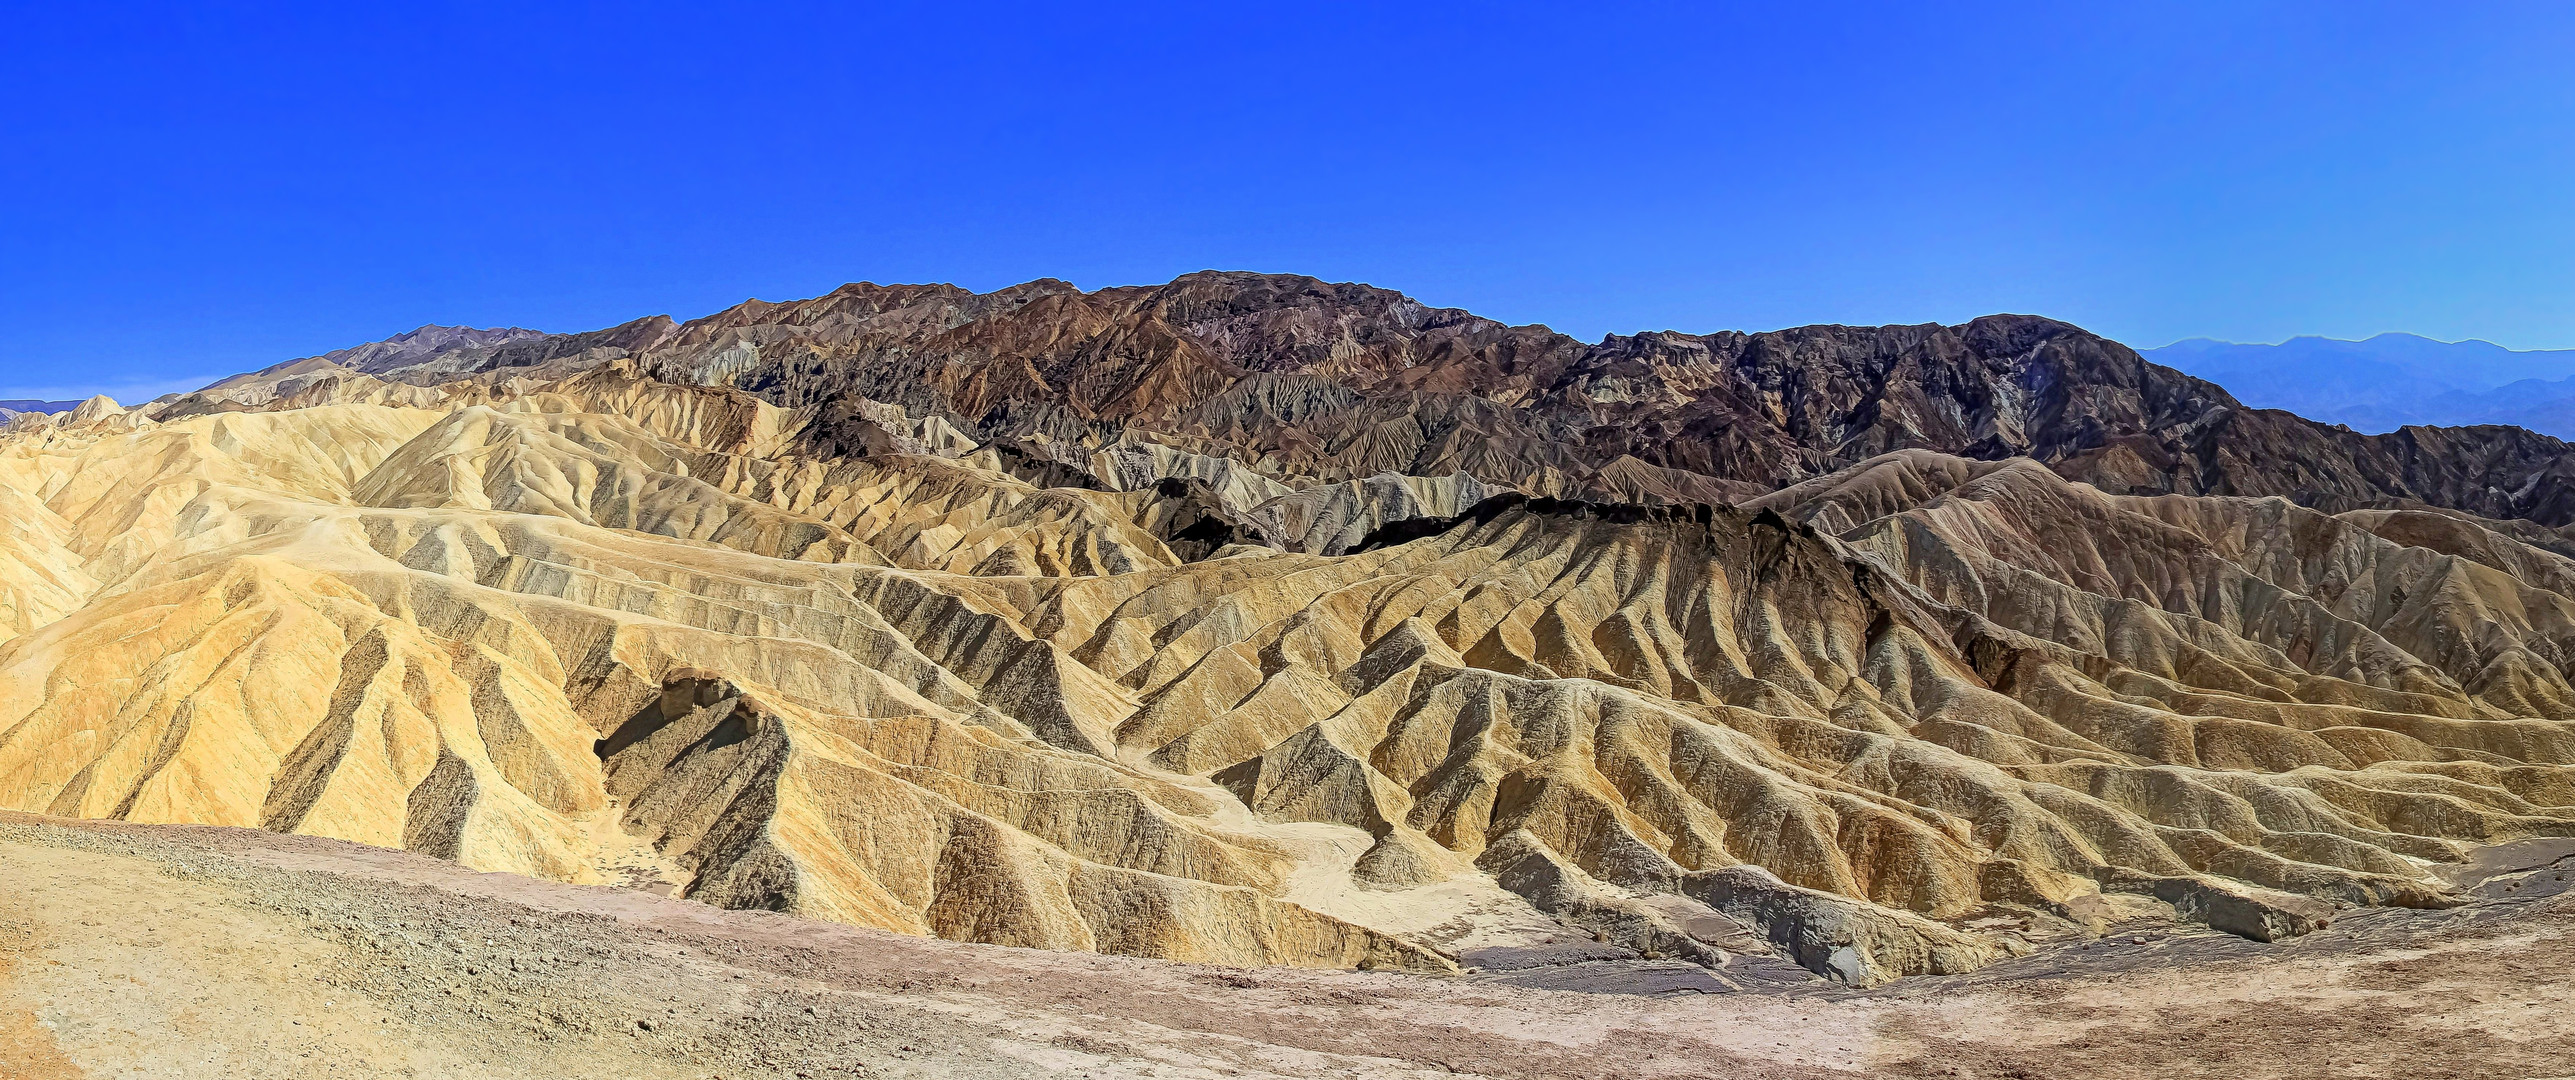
<point>190,192</point>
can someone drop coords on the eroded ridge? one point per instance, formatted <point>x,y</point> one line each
<point>1912,716</point>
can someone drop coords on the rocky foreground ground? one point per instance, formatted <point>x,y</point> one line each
<point>163,951</point>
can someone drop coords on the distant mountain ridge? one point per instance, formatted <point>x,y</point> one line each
<point>2390,381</point>
<point>12,406</point>
<point>429,354</point>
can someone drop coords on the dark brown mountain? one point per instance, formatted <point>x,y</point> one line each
<point>1297,376</point>
<point>1347,380</point>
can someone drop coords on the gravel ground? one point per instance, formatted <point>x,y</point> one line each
<point>179,952</point>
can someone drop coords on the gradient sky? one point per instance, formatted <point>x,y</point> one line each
<point>186,193</point>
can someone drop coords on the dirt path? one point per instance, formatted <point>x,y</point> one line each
<point>130,951</point>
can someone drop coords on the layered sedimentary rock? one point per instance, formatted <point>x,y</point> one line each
<point>1213,658</point>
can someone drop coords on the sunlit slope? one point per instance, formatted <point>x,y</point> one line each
<point>1906,717</point>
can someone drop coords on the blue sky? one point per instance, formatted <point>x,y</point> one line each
<point>187,192</point>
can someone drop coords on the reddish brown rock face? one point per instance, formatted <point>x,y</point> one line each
<point>1346,381</point>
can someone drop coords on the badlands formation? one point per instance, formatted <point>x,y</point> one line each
<point>1259,621</point>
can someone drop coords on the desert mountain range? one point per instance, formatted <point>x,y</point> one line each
<point>11,407</point>
<point>2389,381</point>
<point>1258,620</point>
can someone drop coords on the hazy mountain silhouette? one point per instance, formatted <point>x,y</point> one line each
<point>12,406</point>
<point>2390,380</point>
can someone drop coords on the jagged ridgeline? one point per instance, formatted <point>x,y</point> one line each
<point>1257,620</point>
